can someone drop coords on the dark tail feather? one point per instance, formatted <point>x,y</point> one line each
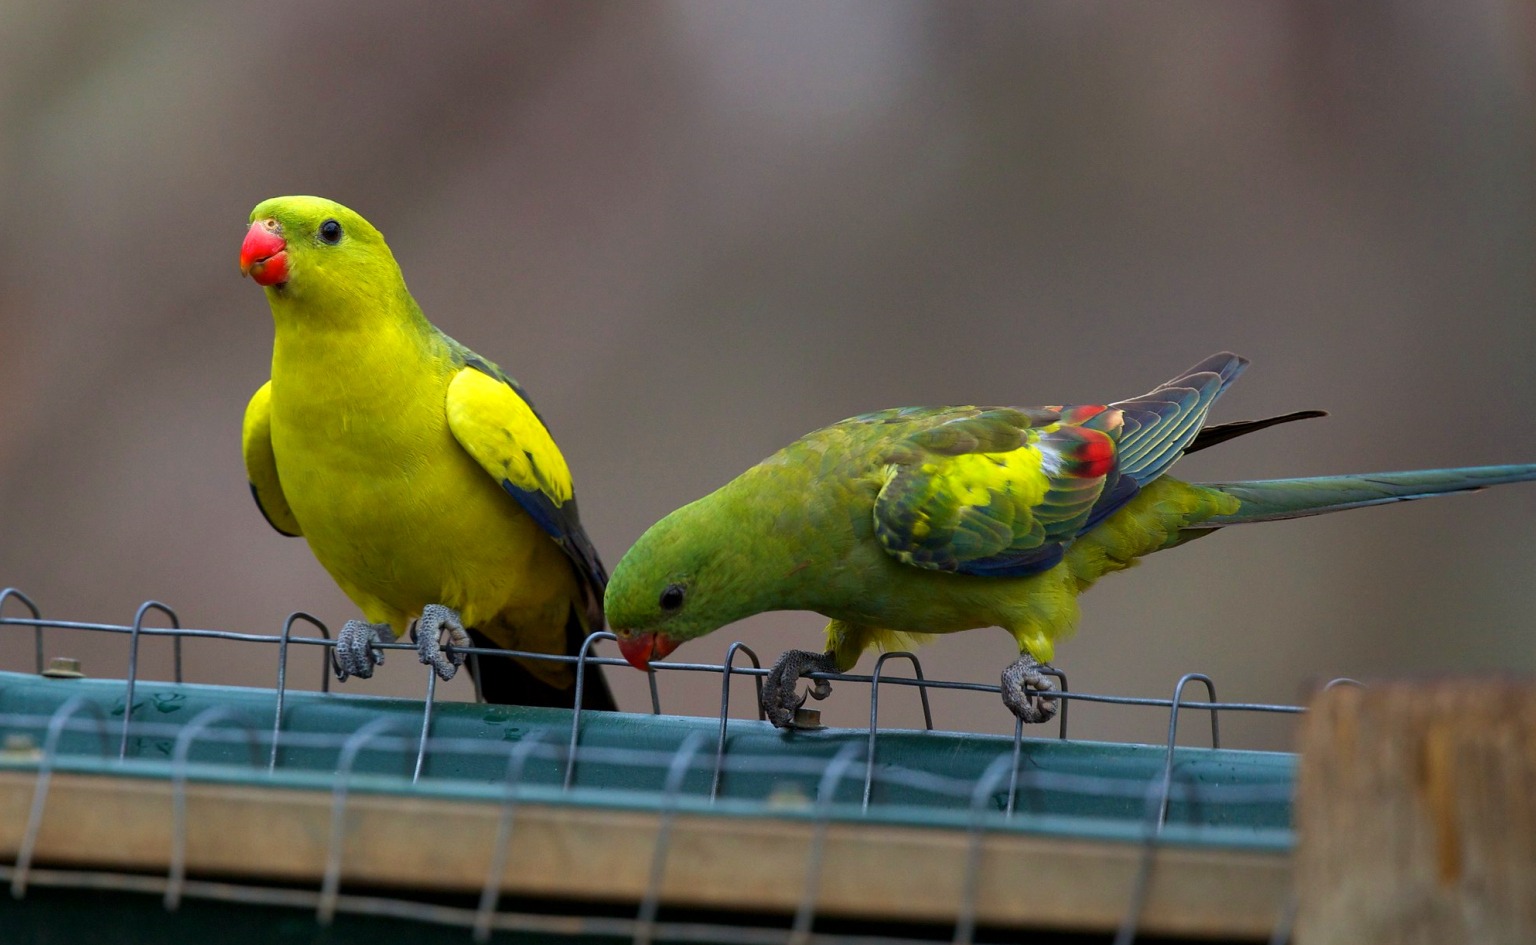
<point>1222,432</point>
<point>1276,499</point>
<point>505,681</point>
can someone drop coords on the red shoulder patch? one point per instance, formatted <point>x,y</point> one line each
<point>1085,453</point>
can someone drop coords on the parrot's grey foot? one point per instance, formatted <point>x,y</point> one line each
<point>779,697</point>
<point>1023,690</point>
<point>354,654</point>
<point>433,620</point>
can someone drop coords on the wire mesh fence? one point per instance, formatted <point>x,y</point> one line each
<point>979,787</point>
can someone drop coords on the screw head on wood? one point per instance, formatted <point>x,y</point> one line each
<point>19,746</point>
<point>63,667</point>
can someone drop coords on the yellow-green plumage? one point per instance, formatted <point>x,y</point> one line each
<point>1038,609</point>
<point>404,459</point>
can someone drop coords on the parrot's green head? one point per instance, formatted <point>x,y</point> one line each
<point>315,256</point>
<point>690,574</point>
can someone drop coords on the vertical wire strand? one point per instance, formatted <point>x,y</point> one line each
<point>725,706</point>
<point>282,674</point>
<point>965,916</point>
<point>826,794</point>
<point>426,724</point>
<point>176,877</point>
<point>650,903</point>
<point>56,723</point>
<point>874,712</point>
<point>330,883</point>
<point>490,893</point>
<point>581,680</point>
<point>133,662</point>
<point>1159,792</point>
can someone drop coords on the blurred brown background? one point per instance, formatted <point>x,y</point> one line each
<point>697,230</point>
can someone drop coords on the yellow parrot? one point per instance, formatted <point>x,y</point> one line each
<point>420,474</point>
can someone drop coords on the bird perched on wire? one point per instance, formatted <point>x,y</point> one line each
<point>419,472</point>
<point>926,520</point>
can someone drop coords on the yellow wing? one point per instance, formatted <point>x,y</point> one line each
<point>494,422</point>
<point>261,465</point>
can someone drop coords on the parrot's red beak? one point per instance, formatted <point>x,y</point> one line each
<point>641,648</point>
<point>263,255</point>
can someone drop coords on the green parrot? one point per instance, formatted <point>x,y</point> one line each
<point>923,520</point>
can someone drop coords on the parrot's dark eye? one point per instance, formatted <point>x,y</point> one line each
<point>330,231</point>
<point>672,597</point>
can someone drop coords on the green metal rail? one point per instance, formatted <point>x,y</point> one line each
<point>1084,789</point>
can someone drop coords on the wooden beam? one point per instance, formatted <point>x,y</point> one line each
<point>581,852</point>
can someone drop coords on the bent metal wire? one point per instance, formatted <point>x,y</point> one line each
<point>645,928</point>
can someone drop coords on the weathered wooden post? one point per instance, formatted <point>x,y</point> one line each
<point>1416,810</point>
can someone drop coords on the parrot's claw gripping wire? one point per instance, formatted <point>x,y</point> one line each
<point>434,619</point>
<point>780,700</point>
<point>1024,688</point>
<point>354,654</point>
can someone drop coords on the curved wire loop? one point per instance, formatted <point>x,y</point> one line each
<point>650,903</point>
<point>874,711</point>
<point>965,915</point>
<point>581,681</point>
<point>1157,806</point>
<point>1173,712</point>
<point>282,672</point>
<point>490,893</point>
<point>1063,703</point>
<point>37,615</point>
<point>725,705</point>
<point>176,879</point>
<point>330,884</point>
<point>826,795</point>
<point>56,723</point>
<point>133,661</point>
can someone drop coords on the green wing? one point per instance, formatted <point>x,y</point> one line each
<point>1004,492</point>
<point>261,465</point>
<point>991,492</point>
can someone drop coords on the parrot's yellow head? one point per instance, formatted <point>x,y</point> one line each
<point>314,252</point>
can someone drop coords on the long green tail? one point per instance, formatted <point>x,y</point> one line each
<point>1272,500</point>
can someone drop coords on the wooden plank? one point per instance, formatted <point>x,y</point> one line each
<point>581,852</point>
<point>1416,809</point>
